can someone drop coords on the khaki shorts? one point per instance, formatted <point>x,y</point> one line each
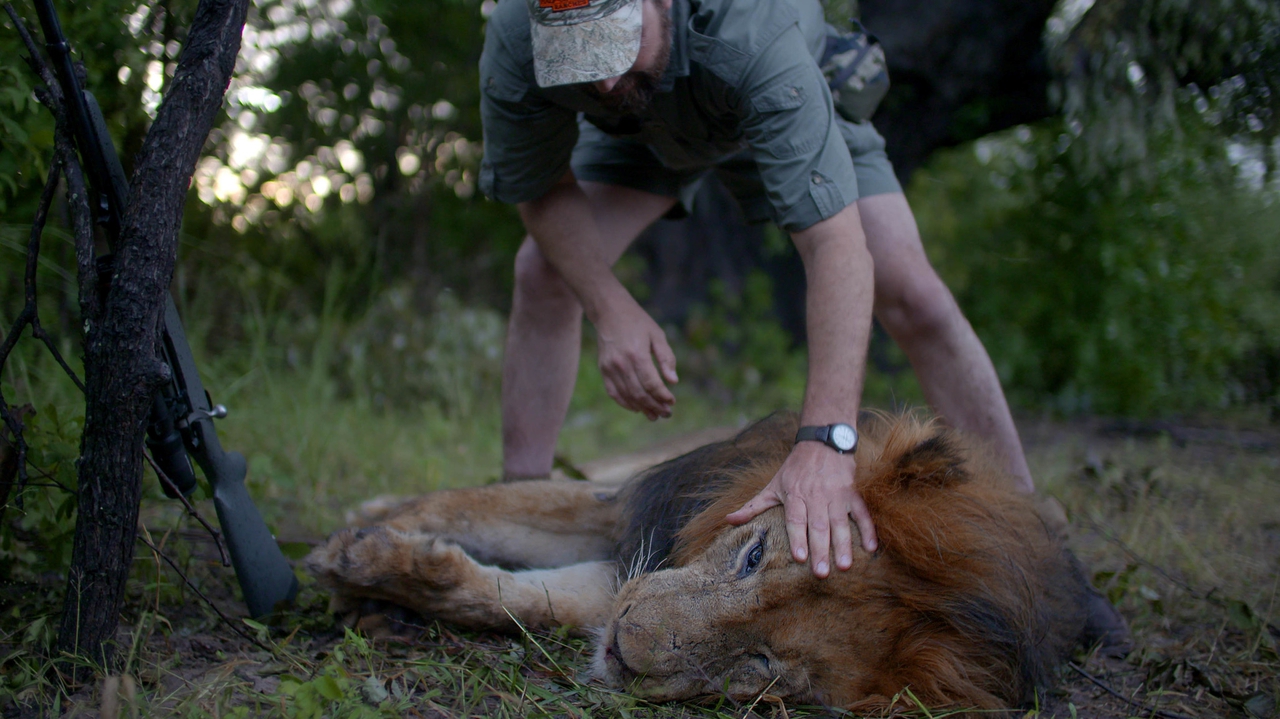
<point>618,161</point>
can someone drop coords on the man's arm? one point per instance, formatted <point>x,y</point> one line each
<point>815,484</point>
<point>562,223</point>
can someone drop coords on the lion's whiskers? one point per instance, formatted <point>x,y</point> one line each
<point>639,563</point>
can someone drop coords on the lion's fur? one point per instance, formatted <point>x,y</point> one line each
<point>971,599</point>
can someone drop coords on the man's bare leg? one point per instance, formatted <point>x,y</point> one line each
<point>919,313</point>
<point>545,332</point>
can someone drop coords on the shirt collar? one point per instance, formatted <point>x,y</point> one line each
<point>678,64</point>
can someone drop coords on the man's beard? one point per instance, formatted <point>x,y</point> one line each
<point>635,90</point>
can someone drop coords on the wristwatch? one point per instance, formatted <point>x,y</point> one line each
<point>840,436</point>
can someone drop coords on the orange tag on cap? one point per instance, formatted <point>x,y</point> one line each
<point>562,5</point>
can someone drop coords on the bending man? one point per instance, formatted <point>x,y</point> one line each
<point>599,117</point>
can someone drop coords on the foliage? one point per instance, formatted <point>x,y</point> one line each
<point>396,356</point>
<point>37,531</point>
<point>1096,293</point>
<point>735,345</point>
<point>353,131</point>
<point>128,50</point>
<point>1128,66</point>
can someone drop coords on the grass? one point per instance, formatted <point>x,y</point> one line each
<point>1185,539</point>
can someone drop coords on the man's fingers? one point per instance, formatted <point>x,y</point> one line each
<point>612,391</point>
<point>622,385</point>
<point>797,528</point>
<point>820,545</point>
<point>757,504</point>
<point>666,359</point>
<point>841,538</point>
<point>650,379</point>
<point>640,382</point>
<point>865,526</point>
<point>656,394</point>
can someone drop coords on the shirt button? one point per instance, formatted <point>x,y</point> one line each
<point>817,179</point>
<point>492,82</point>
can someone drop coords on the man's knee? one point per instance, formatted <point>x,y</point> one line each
<point>538,283</point>
<point>918,307</point>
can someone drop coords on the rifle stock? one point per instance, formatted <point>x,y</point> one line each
<point>265,575</point>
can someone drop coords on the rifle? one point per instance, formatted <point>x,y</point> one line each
<point>180,426</point>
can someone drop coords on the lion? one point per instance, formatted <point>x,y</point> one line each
<point>971,600</point>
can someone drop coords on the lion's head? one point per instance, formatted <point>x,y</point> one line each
<point>970,600</point>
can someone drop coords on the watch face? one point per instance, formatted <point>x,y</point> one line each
<point>843,437</point>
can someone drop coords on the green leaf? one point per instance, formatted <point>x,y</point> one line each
<point>328,687</point>
<point>1243,616</point>
<point>295,550</point>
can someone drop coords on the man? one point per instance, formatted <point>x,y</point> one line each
<point>668,91</point>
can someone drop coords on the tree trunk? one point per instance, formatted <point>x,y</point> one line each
<point>122,369</point>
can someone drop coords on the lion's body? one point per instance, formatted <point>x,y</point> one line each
<point>971,601</point>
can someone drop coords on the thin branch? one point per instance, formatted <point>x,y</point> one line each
<point>191,510</point>
<point>37,331</point>
<point>1143,560</point>
<point>225,619</point>
<point>1146,709</point>
<point>27,317</point>
<point>1184,586</point>
<point>54,480</point>
<point>77,195</point>
<point>34,61</point>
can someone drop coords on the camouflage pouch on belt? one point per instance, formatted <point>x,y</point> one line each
<point>854,65</point>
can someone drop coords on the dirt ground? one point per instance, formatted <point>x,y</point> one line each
<point>1179,523</point>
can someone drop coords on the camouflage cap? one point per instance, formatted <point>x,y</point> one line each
<point>584,40</point>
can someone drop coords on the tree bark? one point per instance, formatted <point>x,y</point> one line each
<point>122,369</point>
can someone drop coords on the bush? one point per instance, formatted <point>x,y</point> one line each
<point>399,357</point>
<point>735,347</point>
<point>1119,292</point>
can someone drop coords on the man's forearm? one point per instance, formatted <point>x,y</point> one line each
<point>562,224</point>
<point>838,269</point>
<point>628,341</point>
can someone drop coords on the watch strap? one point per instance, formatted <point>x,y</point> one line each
<point>814,433</point>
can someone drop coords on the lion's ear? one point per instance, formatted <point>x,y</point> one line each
<point>935,462</point>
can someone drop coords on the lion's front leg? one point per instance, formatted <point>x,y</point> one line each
<point>437,578</point>
<point>548,523</point>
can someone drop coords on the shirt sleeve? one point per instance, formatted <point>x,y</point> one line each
<point>790,125</point>
<point>527,140</point>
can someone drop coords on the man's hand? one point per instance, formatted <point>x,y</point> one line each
<point>815,487</point>
<point>628,341</point>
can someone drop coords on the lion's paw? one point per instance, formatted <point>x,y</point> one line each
<point>367,557</point>
<point>416,570</point>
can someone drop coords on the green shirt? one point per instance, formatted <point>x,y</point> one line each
<point>743,75</point>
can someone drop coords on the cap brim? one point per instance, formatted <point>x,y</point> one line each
<point>589,51</point>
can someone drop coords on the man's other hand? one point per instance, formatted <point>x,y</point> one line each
<point>628,342</point>
<point>816,488</point>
